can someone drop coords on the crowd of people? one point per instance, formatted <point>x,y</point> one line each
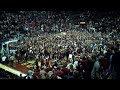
<point>68,45</point>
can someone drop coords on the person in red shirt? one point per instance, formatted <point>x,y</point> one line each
<point>37,71</point>
<point>105,63</point>
<point>65,70</point>
<point>42,62</point>
<point>47,63</point>
<point>87,49</point>
<point>59,72</point>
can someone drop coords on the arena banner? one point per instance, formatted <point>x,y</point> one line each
<point>82,23</point>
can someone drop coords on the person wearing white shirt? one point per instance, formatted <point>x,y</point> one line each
<point>4,59</point>
<point>75,64</point>
<point>50,73</point>
<point>69,66</point>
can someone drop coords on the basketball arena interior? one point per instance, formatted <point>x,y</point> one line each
<point>60,44</point>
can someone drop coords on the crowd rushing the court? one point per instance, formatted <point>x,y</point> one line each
<point>64,44</point>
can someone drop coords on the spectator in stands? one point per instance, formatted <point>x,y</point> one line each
<point>42,74</point>
<point>115,65</point>
<point>12,58</point>
<point>95,74</point>
<point>4,59</point>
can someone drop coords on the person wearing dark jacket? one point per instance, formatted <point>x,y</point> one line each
<point>115,64</point>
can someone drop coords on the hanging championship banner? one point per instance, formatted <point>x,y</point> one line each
<point>82,23</point>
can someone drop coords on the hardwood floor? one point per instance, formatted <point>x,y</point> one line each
<point>21,68</point>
